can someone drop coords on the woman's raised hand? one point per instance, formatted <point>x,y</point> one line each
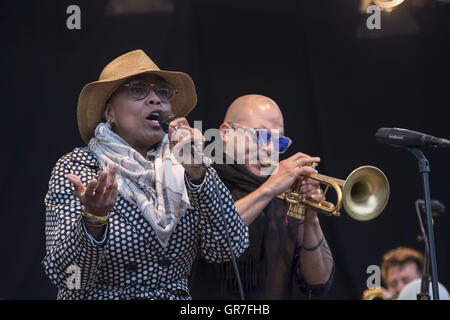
<point>100,196</point>
<point>181,135</point>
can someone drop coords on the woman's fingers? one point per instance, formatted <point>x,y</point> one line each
<point>100,188</point>
<point>111,183</point>
<point>178,122</point>
<point>183,133</point>
<point>184,130</point>
<point>178,133</point>
<point>99,196</point>
<point>106,182</point>
<point>89,192</point>
<point>79,188</point>
<point>174,126</point>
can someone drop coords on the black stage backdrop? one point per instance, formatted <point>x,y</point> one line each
<point>336,82</point>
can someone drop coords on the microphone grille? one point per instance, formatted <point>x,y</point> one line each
<point>165,119</point>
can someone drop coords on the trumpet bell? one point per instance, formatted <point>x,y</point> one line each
<point>366,193</point>
<point>374,294</point>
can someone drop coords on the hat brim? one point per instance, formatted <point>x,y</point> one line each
<point>94,95</point>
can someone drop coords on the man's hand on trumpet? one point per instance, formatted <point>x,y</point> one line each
<point>286,177</point>
<point>311,190</point>
<point>288,171</point>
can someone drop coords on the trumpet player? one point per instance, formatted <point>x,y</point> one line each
<point>285,254</point>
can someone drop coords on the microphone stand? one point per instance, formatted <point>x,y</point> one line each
<point>424,169</point>
<point>425,284</point>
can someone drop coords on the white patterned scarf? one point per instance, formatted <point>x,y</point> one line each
<point>156,187</point>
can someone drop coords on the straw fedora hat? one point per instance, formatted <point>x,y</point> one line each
<point>94,95</point>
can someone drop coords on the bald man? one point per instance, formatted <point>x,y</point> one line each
<point>285,254</point>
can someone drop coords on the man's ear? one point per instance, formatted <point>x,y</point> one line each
<point>223,128</point>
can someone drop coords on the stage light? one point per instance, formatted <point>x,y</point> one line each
<point>127,7</point>
<point>393,22</point>
<point>387,4</point>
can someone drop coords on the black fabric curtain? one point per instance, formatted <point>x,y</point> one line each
<point>335,83</point>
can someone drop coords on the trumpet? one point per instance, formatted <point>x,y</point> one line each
<point>364,194</point>
<point>374,294</point>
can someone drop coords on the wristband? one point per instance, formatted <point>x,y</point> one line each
<point>94,220</point>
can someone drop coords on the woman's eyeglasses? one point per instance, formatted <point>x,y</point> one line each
<point>264,138</point>
<point>140,89</point>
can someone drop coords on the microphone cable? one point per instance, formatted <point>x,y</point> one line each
<point>164,121</point>
<point>225,224</point>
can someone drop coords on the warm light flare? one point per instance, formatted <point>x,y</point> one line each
<point>387,4</point>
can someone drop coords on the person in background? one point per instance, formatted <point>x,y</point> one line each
<point>399,267</point>
<point>285,254</point>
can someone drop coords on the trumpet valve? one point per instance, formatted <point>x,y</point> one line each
<point>296,211</point>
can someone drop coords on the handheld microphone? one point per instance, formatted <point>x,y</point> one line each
<point>165,119</point>
<point>405,138</point>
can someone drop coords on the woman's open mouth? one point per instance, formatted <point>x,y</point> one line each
<point>153,118</point>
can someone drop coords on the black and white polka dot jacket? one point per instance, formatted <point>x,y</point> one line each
<point>130,263</point>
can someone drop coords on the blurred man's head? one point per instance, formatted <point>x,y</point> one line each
<point>244,114</point>
<point>400,266</point>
